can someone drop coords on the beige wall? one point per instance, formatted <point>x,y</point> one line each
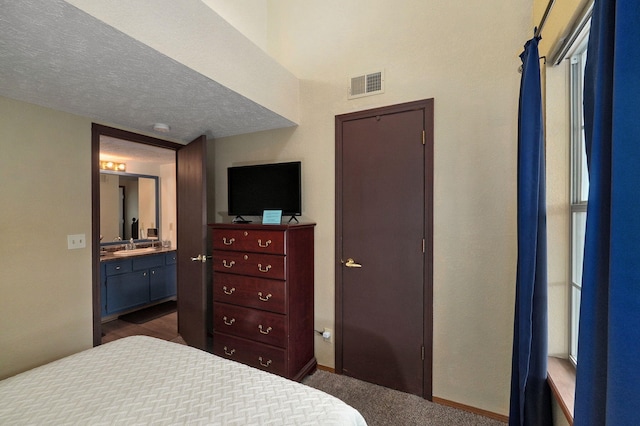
<point>441,50</point>
<point>168,208</point>
<point>109,206</point>
<point>45,289</point>
<point>247,16</point>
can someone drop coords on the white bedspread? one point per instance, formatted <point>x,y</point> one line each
<point>142,380</point>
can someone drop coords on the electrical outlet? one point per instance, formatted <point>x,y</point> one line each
<point>76,241</point>
<point>326,334</point>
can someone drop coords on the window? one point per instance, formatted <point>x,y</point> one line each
<point>579,192</point>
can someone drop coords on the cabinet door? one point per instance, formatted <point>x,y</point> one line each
<point>162,282</point>
<point>126,291</point>
<point>103,290</point>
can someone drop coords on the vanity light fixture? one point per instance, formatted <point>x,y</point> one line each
<point>162,128</point>
<point>113,166</point>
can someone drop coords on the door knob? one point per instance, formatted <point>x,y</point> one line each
<point>350,263</point>
<point>201,258</point>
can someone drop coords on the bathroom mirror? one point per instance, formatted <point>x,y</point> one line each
<point>128,206</point>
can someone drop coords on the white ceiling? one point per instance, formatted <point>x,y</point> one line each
<point>55,55</point>
<point>124,151</point>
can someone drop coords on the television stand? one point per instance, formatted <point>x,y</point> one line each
<point>293,217</point>
<point>240,219</point>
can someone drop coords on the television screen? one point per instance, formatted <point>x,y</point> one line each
<point>253,189</point>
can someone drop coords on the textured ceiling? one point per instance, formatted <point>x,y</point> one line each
<point>55,55</point>
<point>124,151</point>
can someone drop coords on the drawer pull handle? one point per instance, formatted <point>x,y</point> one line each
<point>267,331</point>
<point>264,364</point>
<point>228,265</point>
<point>117,268</point>
<point>228,322</point>
<point>226,291</point>
<point>229,352</point>
<point>229,242</point>
<point>266,244</point>
<point>266,269</point>
<point>265,298</point>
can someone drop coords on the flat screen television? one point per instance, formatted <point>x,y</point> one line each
<point>253,189</point>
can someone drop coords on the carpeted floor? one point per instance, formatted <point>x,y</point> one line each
<point>381,406</point>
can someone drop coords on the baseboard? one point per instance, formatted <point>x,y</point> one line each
<point>325,368</point>
<point>441,401</point>
<point>474,410</point>
<point>306,370</point>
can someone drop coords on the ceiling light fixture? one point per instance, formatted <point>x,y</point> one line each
<point>161,127</point>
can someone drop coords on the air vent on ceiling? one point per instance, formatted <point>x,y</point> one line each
<point>366,85</point>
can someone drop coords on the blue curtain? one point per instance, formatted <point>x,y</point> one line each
<point>530,396</point>
<point>608,372</point>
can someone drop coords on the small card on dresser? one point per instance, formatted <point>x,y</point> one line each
<point>271,217</point>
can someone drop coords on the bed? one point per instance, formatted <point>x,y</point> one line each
<point>144,380</point>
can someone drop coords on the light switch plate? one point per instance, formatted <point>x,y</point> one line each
<point>76,241</point>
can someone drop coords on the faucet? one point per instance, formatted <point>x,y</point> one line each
<point>131,244</point>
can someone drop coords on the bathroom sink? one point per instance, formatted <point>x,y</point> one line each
<point>134,251</point>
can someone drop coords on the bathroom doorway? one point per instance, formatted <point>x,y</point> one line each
<point>137,200</point>
<point>194,324</point>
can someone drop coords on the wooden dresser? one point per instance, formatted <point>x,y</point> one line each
<point>263,296</point>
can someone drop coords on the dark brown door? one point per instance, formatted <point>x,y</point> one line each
<point>191,175</point>
<point>384,250</point>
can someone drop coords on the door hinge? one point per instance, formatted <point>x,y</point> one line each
<point>424,137</point>
<point>423,353</point>
<point>423,243</point>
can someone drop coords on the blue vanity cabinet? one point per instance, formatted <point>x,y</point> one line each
<point>163,279</point>
<point>125,291</point>
<point>136,281</point>
<point>103,289</point>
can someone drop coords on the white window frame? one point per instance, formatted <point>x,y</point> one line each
<point>579,192</point>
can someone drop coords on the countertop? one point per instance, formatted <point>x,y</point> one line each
<point>110,256</point>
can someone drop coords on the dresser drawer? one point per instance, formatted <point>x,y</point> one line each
<point>262,326</point>
<point>259,293</point>
<point>256,241</point>
<point>254,264</point>
<point>254,354</point>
